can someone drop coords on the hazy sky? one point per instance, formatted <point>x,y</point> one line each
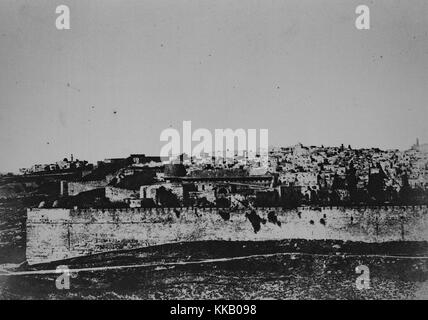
<point>129,69</point>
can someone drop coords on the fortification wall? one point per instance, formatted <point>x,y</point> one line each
<point>74,188</point>
<point>54,234</point>
<point>119,195</point>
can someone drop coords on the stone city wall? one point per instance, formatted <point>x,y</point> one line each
<point>55,234</point>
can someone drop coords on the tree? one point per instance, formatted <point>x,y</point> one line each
<point>376,185</point>
<point>175,170</point>
<point>351,182</point>
<point>405,194</point>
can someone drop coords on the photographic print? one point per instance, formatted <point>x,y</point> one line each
<point>224,151</point>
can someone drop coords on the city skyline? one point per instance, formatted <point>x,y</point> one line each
<point>72,155</point>
<point>70,158</point>
<point>127,70</point>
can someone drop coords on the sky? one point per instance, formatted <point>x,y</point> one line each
<point>126,70</point>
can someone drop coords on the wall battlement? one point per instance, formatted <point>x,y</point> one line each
<point>55,234</point>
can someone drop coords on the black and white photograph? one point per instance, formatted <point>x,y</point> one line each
<point>213,153</point>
